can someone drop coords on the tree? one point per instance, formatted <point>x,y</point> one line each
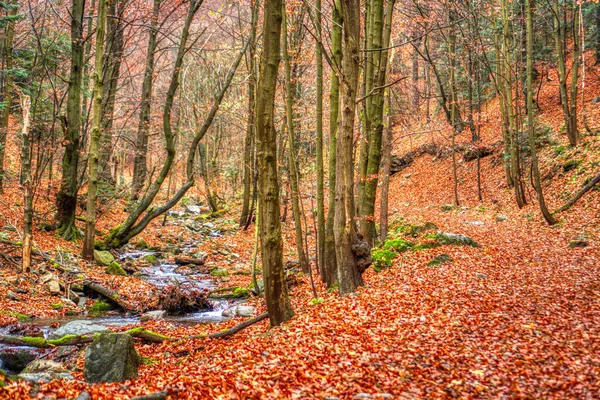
<point>278,303</point>
<point>97,128</point>
<point>319,140</point>
<point>345,231</point>
<point>66,199</point>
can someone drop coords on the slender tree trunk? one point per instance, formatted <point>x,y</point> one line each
<point>319,161</point>
<point>249,144</point>
<point>8,84</point>
<point>386,161</point>
<point>278,303</point>
<point>66,199</point>
<point>27,186</point>
<point>348,268</point>
<point>293,167</point>
<point>530,117</point>
<point>329,266</point>
<point>140,168</point>
<point>597,44</point>
<point>93,155</point>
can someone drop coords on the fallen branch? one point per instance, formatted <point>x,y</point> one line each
<point>579,194</point>
<point>110,294</point>
<point>152,396</point>
<point>233,330</point>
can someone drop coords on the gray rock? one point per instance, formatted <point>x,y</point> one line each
<point>501,218</point>
<point>68,302</point>
<point>439,260</point>
<point>578,243</point>
<point>455,239</point>
<point>193,209</point>
<point>103,258</point>
<point>476,223</point>
<point>448,207</point>
<point>16,360</point>
<point>245,311</point>
<point>10,295</point>
<point>48,366</point>
<point>481,276</point>
<point>46,278</point>
<point>111,358</point>
<point>53,287</point>
<point>77,328</point>
<point>83,396</point>
<point>596,100</point>
<point>37,377</point>
<point>153,315</point>
<point>81,302</point>
<point>363,396</point>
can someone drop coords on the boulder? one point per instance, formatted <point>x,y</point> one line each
<point>153,315</point>
<point>193,209</point>
<point>39,377</point>
<point>115,269</point>
<point>53,287</point>
<point>501,218</point>
<point>46,278</point>
<point>578,243</point>
<point>111,358</point>
<point>219,272</point>
<point>77,328</point>
<point>455,239</point>
<point>238,311</point>
<point>439,260</point>
<point>37,366</point>
<point>16,359</point>
<point>103,258</point>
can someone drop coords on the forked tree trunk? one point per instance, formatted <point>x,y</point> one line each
<point>278,302</point>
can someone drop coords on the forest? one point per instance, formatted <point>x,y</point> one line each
<point>301,199</point>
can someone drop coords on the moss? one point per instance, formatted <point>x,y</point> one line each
<point>100,306</point>
<point>333,287</point>
<point>64,340</point>
<point>315,301</point>
<point>151,258</point>
<point>382,259</point>
<point>141,245</point>
<point>241,292</point>
<point>100,245</point>
<point>115,269</point>
<point>141,331</point>
<point>219,272</point>
<point>149,360</point>
<point>57,306</point>
<point>439,260</point>
<point>398,245</point>
<point>425,246</point>
<point>34,341</point>
<point>20,317</point>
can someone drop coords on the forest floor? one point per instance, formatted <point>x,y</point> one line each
<point>518,317</point>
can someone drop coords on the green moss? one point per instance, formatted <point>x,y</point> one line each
<point>57,306</point>
<point>219,272</point>
<point>151,258</point>
<point>315,301</point>
<point>398,245</point>
<point>382,259</point>
<point>100,245</point>
<point>20,317</point>
<point>149,360</point>
<point>425,246</point>
<point>571,165</point>
<point>241,292</point>
<point>141,331</point>
<point>333,287</point>
<point>100,306</point>
<point>439,260</point>
<point>34,341</point>
<point>115,269</point>
<point>64,340</point>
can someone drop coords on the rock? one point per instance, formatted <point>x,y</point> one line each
<point>501,218</point>
<point>578,243</point>
<point>73,297</point>
<point>12,280</point>
<point>115,269</point>
<point>83,396</point>
<point>111,358</point>
<point>77,328</point>
<point>595,100</point>
<point>161,395</point>
<point>9,228</point>
<point>103,258</point>
<point>16,360</point>
<point>81,302</point>
<point>153,315</point>
<point>480,276</point>
<point>141,245</point>
<point>219,272</point>
<point>439,260</point>
<point>363,396</point>
<point>49,366</point>
<point>193,209</point>
<point>571,165</point>
<point>68,302</point>
<point>38,377</point>
<point>448,207</point>
<point>53,287</point>
<point>238,311</point>
<point>46,278</point>
<point>476,223</point>
<point>151,258</point>
<point>455,239</point>
<point>10,295</point>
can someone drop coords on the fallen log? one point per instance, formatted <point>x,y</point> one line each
<point>188,260</point>
<point>109,294</point>
<point>162,395</point>
<point>140,333</point>
<point>580,193</point>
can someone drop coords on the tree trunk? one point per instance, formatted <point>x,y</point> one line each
<point>140,169</point>
<point>27,185</point>
<point>530,120</point>
<point>386,161</point>
<point>329,265</point>
<point>349,275</point>
<point>319,150</point>
<point>66,199</point>
<point>249,145</point>
<point>278,302</point>
<point>293,167</point>
<point>8,84</point>
<point>90,219</point>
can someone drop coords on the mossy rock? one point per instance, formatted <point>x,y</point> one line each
<point>398,245</point>
<point>219,272</point>
<point>578,243</point>
<point>455,239</point>
<point>382,259</point>
<point>100,245</point>
<point>103,258</point>
<point>151,258</point>
<point>100,306</point>
<point>425,246</point>
<point>439,260</point>
<point>57,306</point>
<point>141,245</point>
<point>571,165</point>
<point>241,292</point>
<point>448,207</point>
<point>417,230</point>
<point>115,269</point>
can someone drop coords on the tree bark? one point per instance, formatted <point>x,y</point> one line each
<point>278,302</point>
<point>8,84</point>
<point>66,199</point>
<point>27,185</point>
